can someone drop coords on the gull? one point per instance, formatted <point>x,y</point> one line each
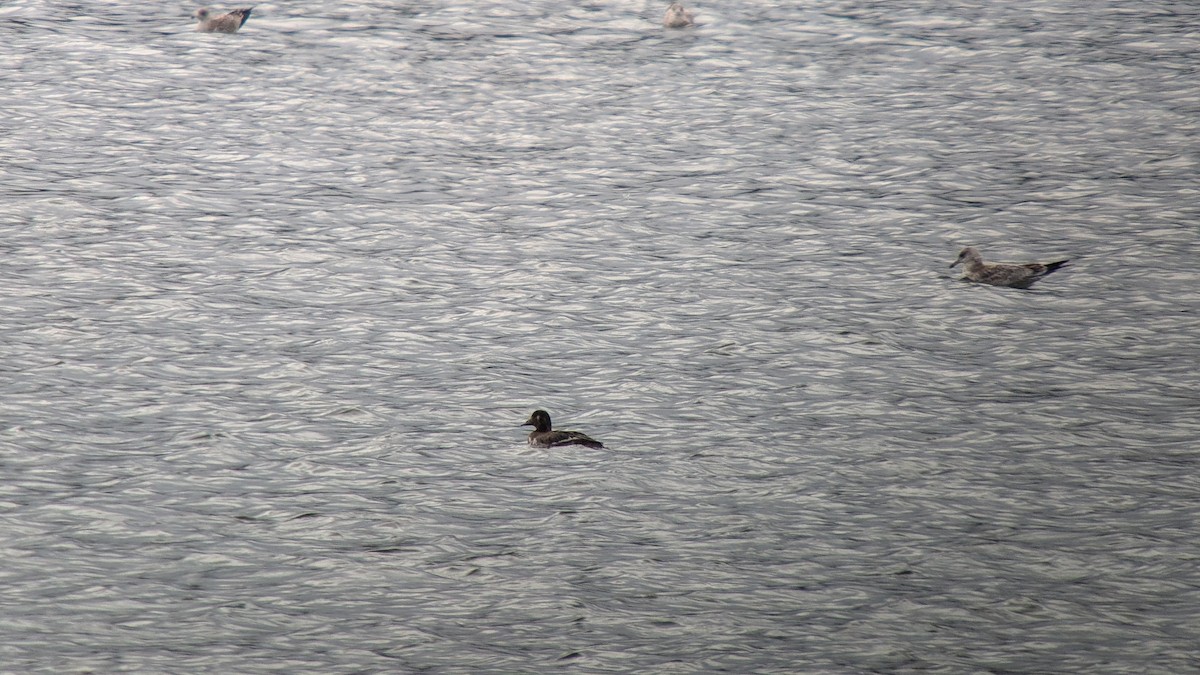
<point>678,17</point>
<point>1015,275</point>
<point>225,23</point>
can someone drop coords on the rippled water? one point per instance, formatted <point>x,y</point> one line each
<point>274,304</point>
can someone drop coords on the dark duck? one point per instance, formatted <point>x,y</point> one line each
<point>543,436</point>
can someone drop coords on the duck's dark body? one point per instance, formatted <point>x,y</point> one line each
<point>543,436</point>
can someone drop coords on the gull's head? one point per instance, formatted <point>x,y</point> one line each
<point>966,255</point>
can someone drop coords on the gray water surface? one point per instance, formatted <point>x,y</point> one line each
<point>274,303</point>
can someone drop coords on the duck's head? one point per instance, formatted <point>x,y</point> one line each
<point>539,420</point>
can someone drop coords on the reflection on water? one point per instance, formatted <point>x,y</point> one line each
<point>276,303</point>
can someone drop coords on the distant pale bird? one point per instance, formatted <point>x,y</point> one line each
<point>678,17</point>
<point>223,23</point>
